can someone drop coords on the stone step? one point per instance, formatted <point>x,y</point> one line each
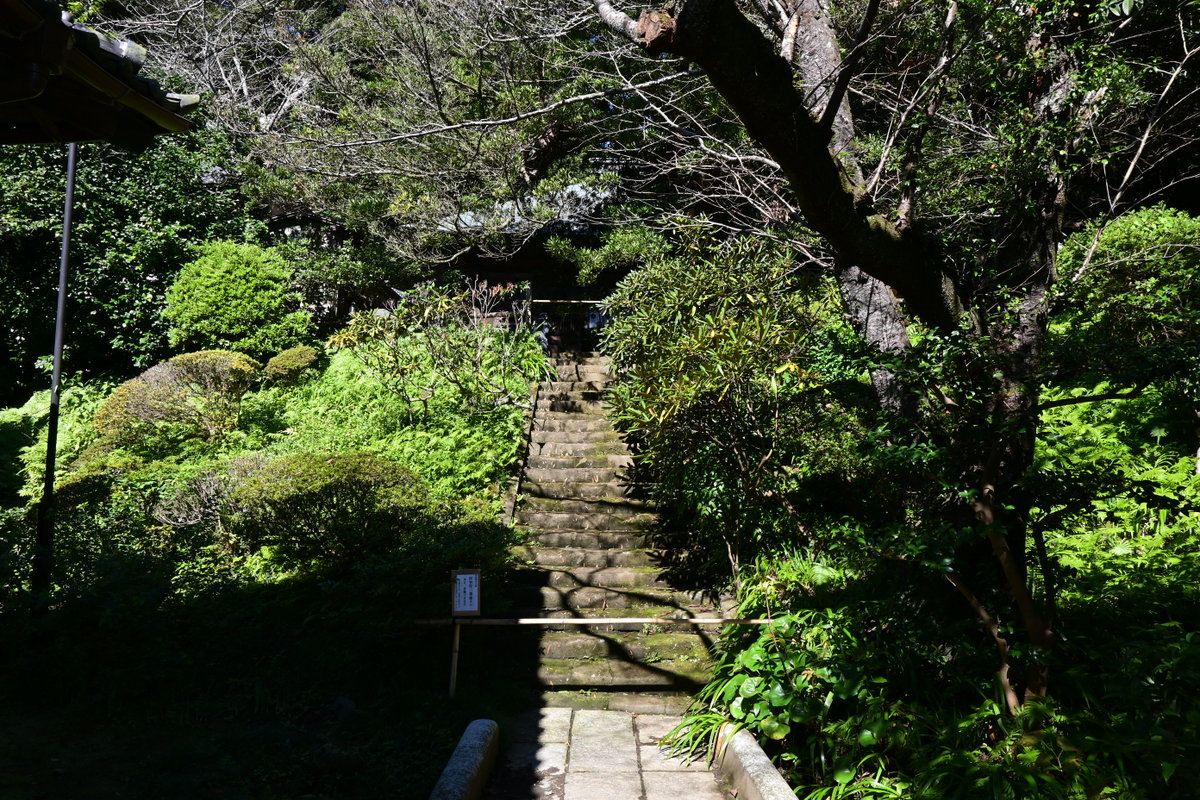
<point>625,646</point>
<point>594,407</point>
<point>586,598</point>
<point>570,422</point>
<point>566,394</point>
<point>557,449</point>
<point>617,507</point>
<point>669,616</point>
<point>565,521</point>
<point>570,474</point>
<point>579,490</point>
<point>664,701</point>
<point>545,413</point>
<point>579,356</point>
<point>680,673</point>
<point>583,372</point>
<point>590,540</point>
<point>623,578</point>
<point>576,437</point>
<point>585,557</point>
<point>571,386</point>
<point>598,461</point>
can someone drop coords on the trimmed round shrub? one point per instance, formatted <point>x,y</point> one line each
<point>194,394</point>
<point>236,297</point>
<point>330,510</point>
<point>289,367</point>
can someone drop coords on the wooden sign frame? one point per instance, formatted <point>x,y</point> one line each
<point>465,595</point>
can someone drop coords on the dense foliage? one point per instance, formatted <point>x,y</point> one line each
<point>136,218</point>
<point>751,404</point>
<point>235,297</point>
<point>909,345</point>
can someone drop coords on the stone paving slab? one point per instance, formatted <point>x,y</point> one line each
<point>581,754</point>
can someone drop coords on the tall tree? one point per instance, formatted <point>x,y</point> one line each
<point>136,218</point>
<point>984,132</point>
<point>931,156</point>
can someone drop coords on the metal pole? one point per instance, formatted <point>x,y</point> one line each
<point>43,550</point>
<point>454,660</point>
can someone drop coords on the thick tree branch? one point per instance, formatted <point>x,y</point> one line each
<point>993,628</point>
<point>757,83</point>
<point>1092,398</point>
<point>848,68</point>
<point>497,122</point>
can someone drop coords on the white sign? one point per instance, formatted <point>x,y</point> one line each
<point>465,592</point>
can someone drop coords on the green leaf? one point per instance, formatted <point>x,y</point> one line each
<point>774,728</point>
<point>736,709</point>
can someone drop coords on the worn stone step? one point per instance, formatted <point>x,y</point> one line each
<point>624,578</point>
<point>570,394</point>
<point>616,461</point>
<point>545,413</point>
<point>575,437</point>
<point>583,372</point>
<point>697,608</point>
<point>579,490</point>
<point>615,448</point>
<point>572,386</point>
<point>649,700</point>
<point>570,474</point>
<point>617,507</point>
<point>574,405</point>
<point>585,557</point>
<point>582,673</point>
<point>625,646</point>
<point>578,357</point>
<point>590,540</point>
<point>584,598</point>
<point>570,422</point>
<point>564,521</point>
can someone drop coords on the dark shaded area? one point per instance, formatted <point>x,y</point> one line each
<point>312,687</point>
<point>66,83</point>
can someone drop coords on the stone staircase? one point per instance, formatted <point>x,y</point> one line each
<point>588,559</point>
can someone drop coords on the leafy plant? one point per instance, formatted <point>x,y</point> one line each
<point>479,342</point>
<point>194,394</point>
<point>330,510</point>
<point>236,296</point>
<point>292,365</point>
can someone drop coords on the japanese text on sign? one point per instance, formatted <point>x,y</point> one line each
<point>465,592</point>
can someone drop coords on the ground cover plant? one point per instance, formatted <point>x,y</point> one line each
<point>241,552</point>
<point>779,477</point>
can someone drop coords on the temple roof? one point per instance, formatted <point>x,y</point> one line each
<point>63,82</point>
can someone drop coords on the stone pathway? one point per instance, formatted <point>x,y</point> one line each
<point>579,754</point>
<point>589,559</point>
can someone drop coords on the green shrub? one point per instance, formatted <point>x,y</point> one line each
<point>16,433</point>
<point>1130,291</point>
<point>236,297</point>
<point>312,510</point>
<point>195,394</point>
<point>290,367</point>
<point>16,537</point>
<point>344,409</point>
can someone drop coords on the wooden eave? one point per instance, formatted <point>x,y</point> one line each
<point>60,82</point>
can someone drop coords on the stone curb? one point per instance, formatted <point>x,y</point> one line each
<point>467,771</point>
<point>742,763</point>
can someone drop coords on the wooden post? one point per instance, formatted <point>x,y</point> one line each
<point>464,602</point>
<point>454,660</point>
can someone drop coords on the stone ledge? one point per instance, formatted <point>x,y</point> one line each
<point>467,771</point>
<point>742,763</point>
